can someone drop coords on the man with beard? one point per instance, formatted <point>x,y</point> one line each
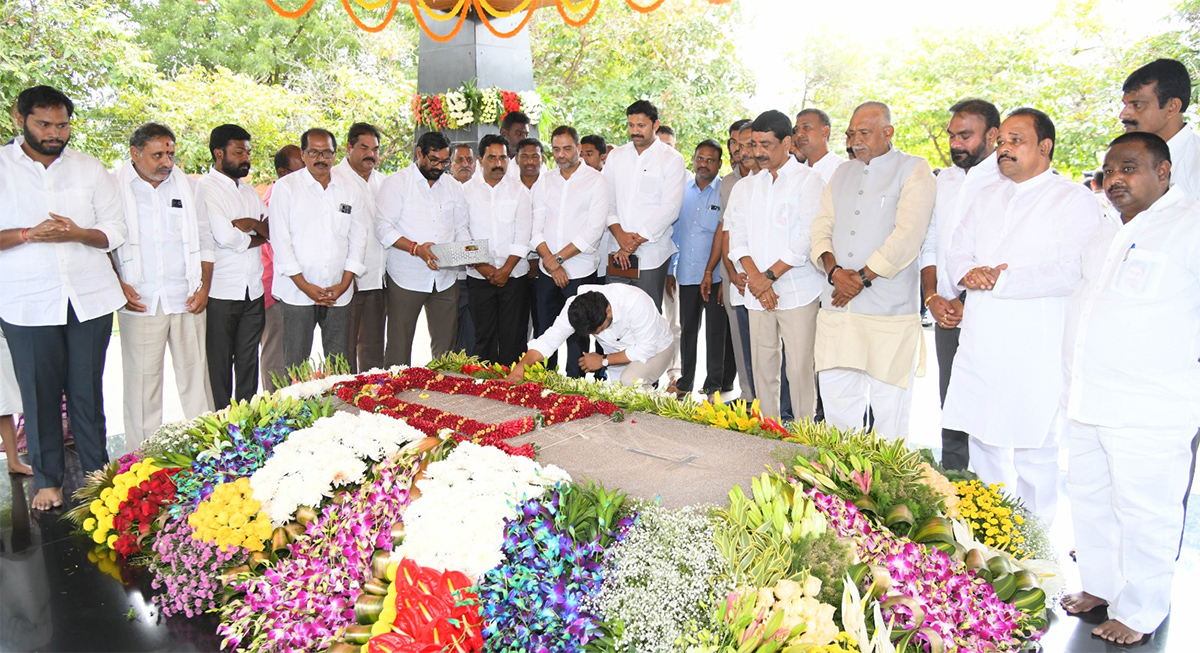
<point>499,211</point>
<point>645,178</point>
<point>770,217</point>
<point>270,362</point>
<point>320,239</point>
<point>1155,97</point>
<point>60,211</point>
<point>812,141</point>
<point>741,157</point>
<point>1017,254</point>
<point>166,267</point>
<point>368,307</point>
<point>570,209</point>
<point>1132,341</point>
<point>418,207</point>
<point>695,268</point>
<point>237,218</point>
<point>867,235</point>
<point>462,166</point>
<point>974,125</point>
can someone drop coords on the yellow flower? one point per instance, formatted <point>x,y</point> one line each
<point>98,537</point>
<point>112,540</point>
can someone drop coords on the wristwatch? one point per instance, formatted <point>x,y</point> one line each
<point>770,274</point>
<point>866,282</point>
<point>558,259</point>
<point>604,361</point>
<point>829,277</point>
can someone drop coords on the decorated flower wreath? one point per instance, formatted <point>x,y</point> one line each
<point>467,105</point>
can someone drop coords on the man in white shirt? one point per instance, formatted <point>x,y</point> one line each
<point>165,267</point>
<point>874,214</point>
<point>811,136</point>
<point>500,211</point>
<point>270,362</point>
<point>1155,97</point>
<point>320,240</point>
<point>972,130</point>
<point>594,151</point>
<point>624,320</point>
<point>741,157</point>
<point>646,178</point>
<point>368,307</point>
<point>236,313</point>
<point>60,211</point>
<point>531,162</point>
<point>1017,254</point>
<point>770,217</point>
<point>570,207</point>
<point>462,164</point>
<point>1132,394</point>
<point>418,207</point>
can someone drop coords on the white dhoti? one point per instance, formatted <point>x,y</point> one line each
<point>1127,489</point>
<point>846,394</point>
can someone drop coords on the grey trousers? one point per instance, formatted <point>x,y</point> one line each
<point>298,325</point>
<point>271,357</point>
<point>404,307</point>
<point>956,451</point>
<point>368,317</point>
<point>653,281</point>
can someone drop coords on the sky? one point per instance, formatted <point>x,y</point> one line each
<point>774,26</point>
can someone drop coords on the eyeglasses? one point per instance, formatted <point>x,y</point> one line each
<point>320,154</point>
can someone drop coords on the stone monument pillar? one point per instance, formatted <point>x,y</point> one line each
<point>475,53</point>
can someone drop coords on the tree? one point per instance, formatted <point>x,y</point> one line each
<point>75,48</point>
<point>681,57</point>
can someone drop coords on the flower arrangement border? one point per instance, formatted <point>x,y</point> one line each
<point>378,394</point>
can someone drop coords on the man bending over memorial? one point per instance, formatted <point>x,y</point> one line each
<point>626,323</point>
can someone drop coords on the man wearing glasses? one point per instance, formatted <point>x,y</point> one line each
<point>320,239</point>
<point>417,207</point>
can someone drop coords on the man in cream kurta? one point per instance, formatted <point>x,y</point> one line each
<point>1133,390</point>
<point>165,268</point>
<point>867,234</point>
<point>1016,253</point>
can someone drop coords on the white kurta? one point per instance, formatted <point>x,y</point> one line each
<point>1007,375</point>
<point>1185,161</point>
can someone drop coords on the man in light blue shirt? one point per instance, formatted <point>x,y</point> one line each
<point>695,268</point>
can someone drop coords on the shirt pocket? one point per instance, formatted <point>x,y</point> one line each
<point>650,188</point>
<point>506,212</point>
<point>1140,273</point>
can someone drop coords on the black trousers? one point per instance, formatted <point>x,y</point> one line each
<point>500,315</point>
<point>718,344</point>
<point>51,360</point>
<point>956,451</point>
<point>234,330</point>
<point>550,300</point>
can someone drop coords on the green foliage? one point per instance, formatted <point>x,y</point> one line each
<point>681,57</point>
<point>312,369</point>
<point>587,511</point>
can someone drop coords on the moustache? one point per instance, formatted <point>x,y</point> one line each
<point>163,171</point>
<point>497,169</point>
<point>367,158</point>
<point>1116,188</point>
<point>1129,123</point>
<point>955,152</point>
<point>1006,157</point>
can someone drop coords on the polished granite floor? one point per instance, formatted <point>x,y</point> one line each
<point>52,598</point>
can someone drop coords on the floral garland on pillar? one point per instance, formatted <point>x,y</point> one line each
<point>467,105</point>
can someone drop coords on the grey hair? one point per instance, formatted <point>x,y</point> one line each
<point>875,104</point>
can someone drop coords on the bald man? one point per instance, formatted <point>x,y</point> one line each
<point>866,236</point>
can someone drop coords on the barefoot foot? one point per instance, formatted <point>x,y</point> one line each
<point>48,498</point>
<point>1118,633</point>
<point>1081,602</point>
<point>18,467</point>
